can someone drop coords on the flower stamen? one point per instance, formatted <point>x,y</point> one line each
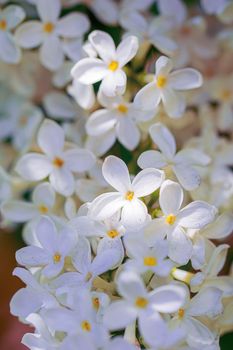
<point>129,195</point>
<point>161,81</point>
<point>113,66</point>
<point>170,219</point>
<point>141,302</point>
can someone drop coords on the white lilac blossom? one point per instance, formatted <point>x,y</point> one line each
<point>182,163</point>
<point>126,199</point>
<point>10,17</point>
<point>166,87</point>
<point>57,163</point>
<point>118,258</point>
<point>109,67</point>
<point>118,120</point>
<point>47,33</point>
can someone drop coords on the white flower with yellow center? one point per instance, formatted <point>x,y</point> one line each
<point>138,303</point>
<point>57,163</point>
<point>118,120</point>
<point>79,320</point>
<point>10,17</point>
<point>47,33</point>
<point>133,210</point>
<point>182,163</point>
<point>43,200</point>
<point>107,68</point>
<point>155,31</point>
<point>175,220</point>
<point>144,258</point>
<point>208,303</point>
<point>166,87</point>
<point>54,247</point>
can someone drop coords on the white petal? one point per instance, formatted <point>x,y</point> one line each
<point>100,122</point>
<point>174,10</point>
<point>148,97</point>
<point>48,11</point>
<point>18,211</point>
<point>127,49</point>
<point>59,106</point>
<point>10,53</point>
<point>198,334</point>
<point>51,54</point>
<point>164,44</point>
<point>128,133</point>
<point>197,215</point>
<point>34,167</point>
<point>51,138</point>
<point>187,176</point>
<point>62,181</point>
<point>107,11</point>
<point>206,303</point>
<point>101,144</point>
<point>46,233</point>
<point>13,15</point>
<point>164,139</point>
<point>89,70</point>
<point>73,25</point>
<point>119,315</point>
<point>24,302</point>
<point>44,194</point>
<point>29,34</point>
<point>84,95</point>
<point>163,65</point>
<point>82,255</point>
<point>103,44</point>
<point>106,205</point>
<point>192,156</point>
<point>180,246</point>
<point>32,256</point>
<point>114,83</point>
<point>167,299</point>
<point>185,79</point>
<point>151,159</point>
<point>147,181</point>
<point>79,160</point>
<point>171,197</point>
<point>174,103</point>
<point>134,214</point>
<point>220,228</point>
<point>116,174</point>
<point>130,285</point>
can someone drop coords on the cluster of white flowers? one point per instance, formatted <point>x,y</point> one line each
<point>119,258</point>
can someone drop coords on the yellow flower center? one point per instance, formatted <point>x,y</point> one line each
<point>129,195</point>
<point>56,258</point>
<point>86,326</point>
<point>3,24</point>
<point>96,303</point>
<point>58,162</point>
<point>113,66</point>
<point>150,261</point>
<point>122,108</point>
<point>141,302</point>
<point>180,313</point>
<point>113,233</point>
<point>170,219</point>
<point>161,81</point>
<point>43,209</point>
<point>48,27</point>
